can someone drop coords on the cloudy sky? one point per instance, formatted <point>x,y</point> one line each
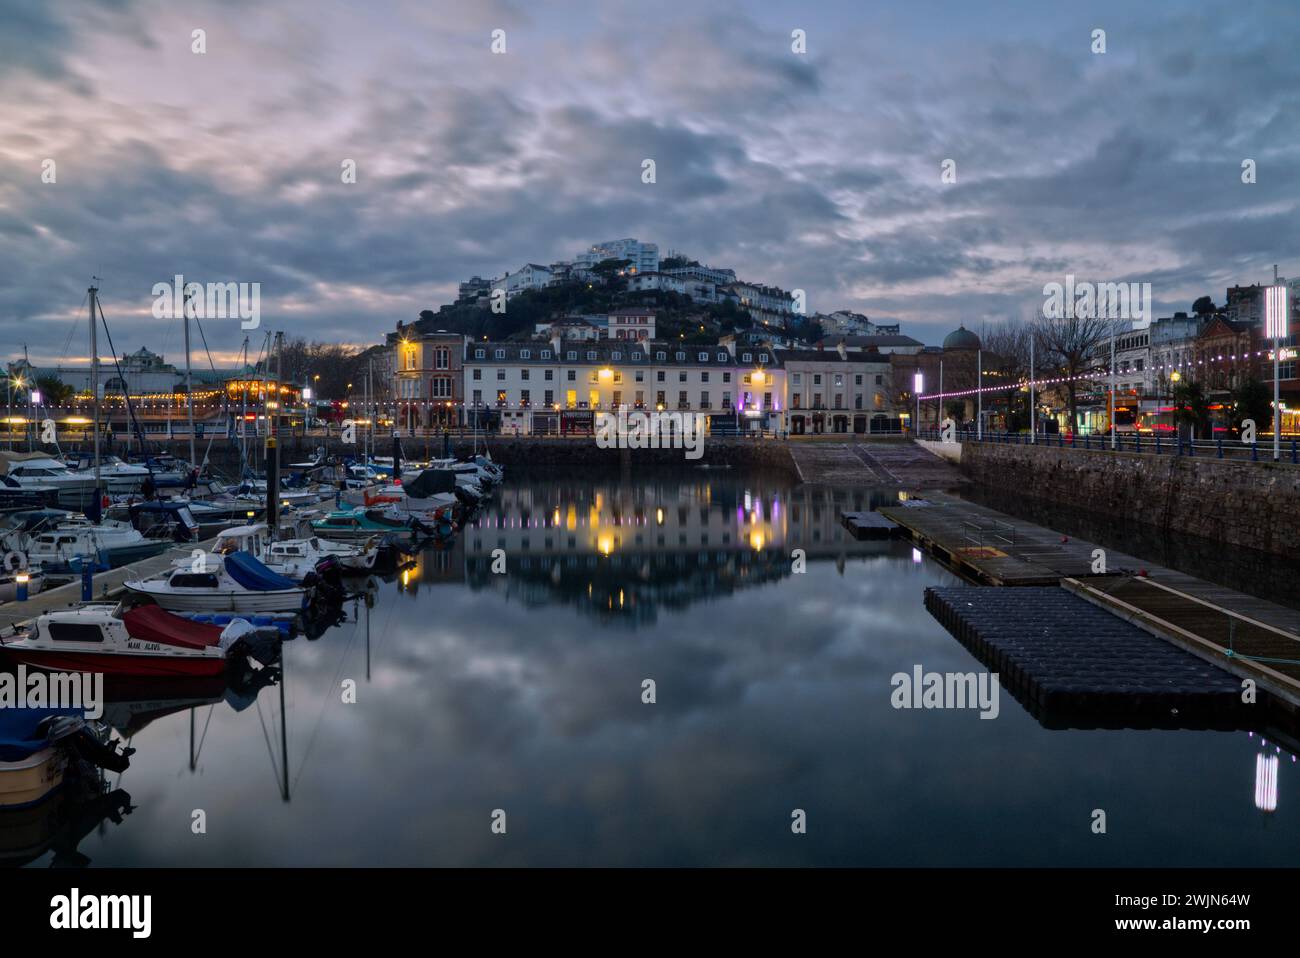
<point>818,171</point>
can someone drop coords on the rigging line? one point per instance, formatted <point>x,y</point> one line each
<point>275,769</point>
<point>320,716</point>
<point>204,736</point>
<point>72,328</point>
<point>225,397</point>
<point>126,392</point>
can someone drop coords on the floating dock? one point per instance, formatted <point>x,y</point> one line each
<point>1075,665</point>
<point>992,548</point>
<point>870,525</point>
<point>1232,640</point>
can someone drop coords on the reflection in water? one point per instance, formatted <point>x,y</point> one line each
<point>477,690</point>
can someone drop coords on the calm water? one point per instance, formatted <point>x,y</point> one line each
<point>522,692</point>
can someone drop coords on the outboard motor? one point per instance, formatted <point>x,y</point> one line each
<point>326,582</point>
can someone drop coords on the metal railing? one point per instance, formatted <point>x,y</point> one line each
<point>1155,445</point>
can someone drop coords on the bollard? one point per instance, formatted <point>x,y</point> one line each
<point>1254,452</point>
<point>1178,444</point>
<point>87,582</point>
<point>1220,446</point>
<point>1293,458</point>
<point>21,578</point>
<point>1157,444</point>
<point>1137,442</point>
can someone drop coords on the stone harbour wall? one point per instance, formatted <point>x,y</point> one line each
<point>1251,504</point>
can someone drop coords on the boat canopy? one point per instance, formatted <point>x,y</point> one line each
<point>24,732</point>
<point>150,623</point>
<point>251,574</point>
<point>187,527</point>
<point>431,482</point>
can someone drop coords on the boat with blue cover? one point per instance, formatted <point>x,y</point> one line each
<point>39,745</point>
<point>235,582</point>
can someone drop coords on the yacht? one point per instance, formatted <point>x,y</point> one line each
<point>15,495</point>
<point>38,470</point>
<point>118,478</point>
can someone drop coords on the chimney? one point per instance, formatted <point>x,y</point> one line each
<point>555,343</point>
<point>839,348</point>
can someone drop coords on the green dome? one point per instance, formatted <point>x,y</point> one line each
<point>961,338</point>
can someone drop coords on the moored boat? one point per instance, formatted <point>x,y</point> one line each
<point>134,639</point>
<point>236,582</point>
<point>350,525</point>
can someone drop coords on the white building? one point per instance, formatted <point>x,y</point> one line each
<point>833,390</point>
<point>703,274</point>
<point>529,276</point>
<point>557,386</point>
<point>1133,366</point>
<point>644,256</point>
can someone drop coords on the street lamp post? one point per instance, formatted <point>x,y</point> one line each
<point>918,382</point>
<point>34,402</point>
<point>1275,320</point>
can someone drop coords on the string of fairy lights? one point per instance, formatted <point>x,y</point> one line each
<point>1182,367</point>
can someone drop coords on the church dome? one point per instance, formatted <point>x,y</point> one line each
<point>961,338</point>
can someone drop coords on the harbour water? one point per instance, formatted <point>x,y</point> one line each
<point>479,692</point>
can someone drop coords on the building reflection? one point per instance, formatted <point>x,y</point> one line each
<point>622,551</point>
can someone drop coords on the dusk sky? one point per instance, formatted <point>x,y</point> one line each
<point>818,171</point>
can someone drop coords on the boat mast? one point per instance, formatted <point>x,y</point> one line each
<point>93,295</point>
<point>189,381</point>
<point>243,416</point>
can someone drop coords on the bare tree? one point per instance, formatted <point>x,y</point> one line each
<point>1073,347</point>
<point>1006,361</point>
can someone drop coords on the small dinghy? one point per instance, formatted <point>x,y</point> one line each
<point>236,582</point>
<point>136,640</point>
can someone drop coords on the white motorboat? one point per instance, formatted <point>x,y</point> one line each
<point>108,545</point>
<point>139,640</point>
<point>38,470</point>
<point>294,558</point>
<point>235,582</point>
<point>118,478</point>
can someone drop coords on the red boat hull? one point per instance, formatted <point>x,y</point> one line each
<point>141,665</point>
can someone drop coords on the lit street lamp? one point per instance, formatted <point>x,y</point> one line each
<point>1275,323</point>
<point>918,384</point>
